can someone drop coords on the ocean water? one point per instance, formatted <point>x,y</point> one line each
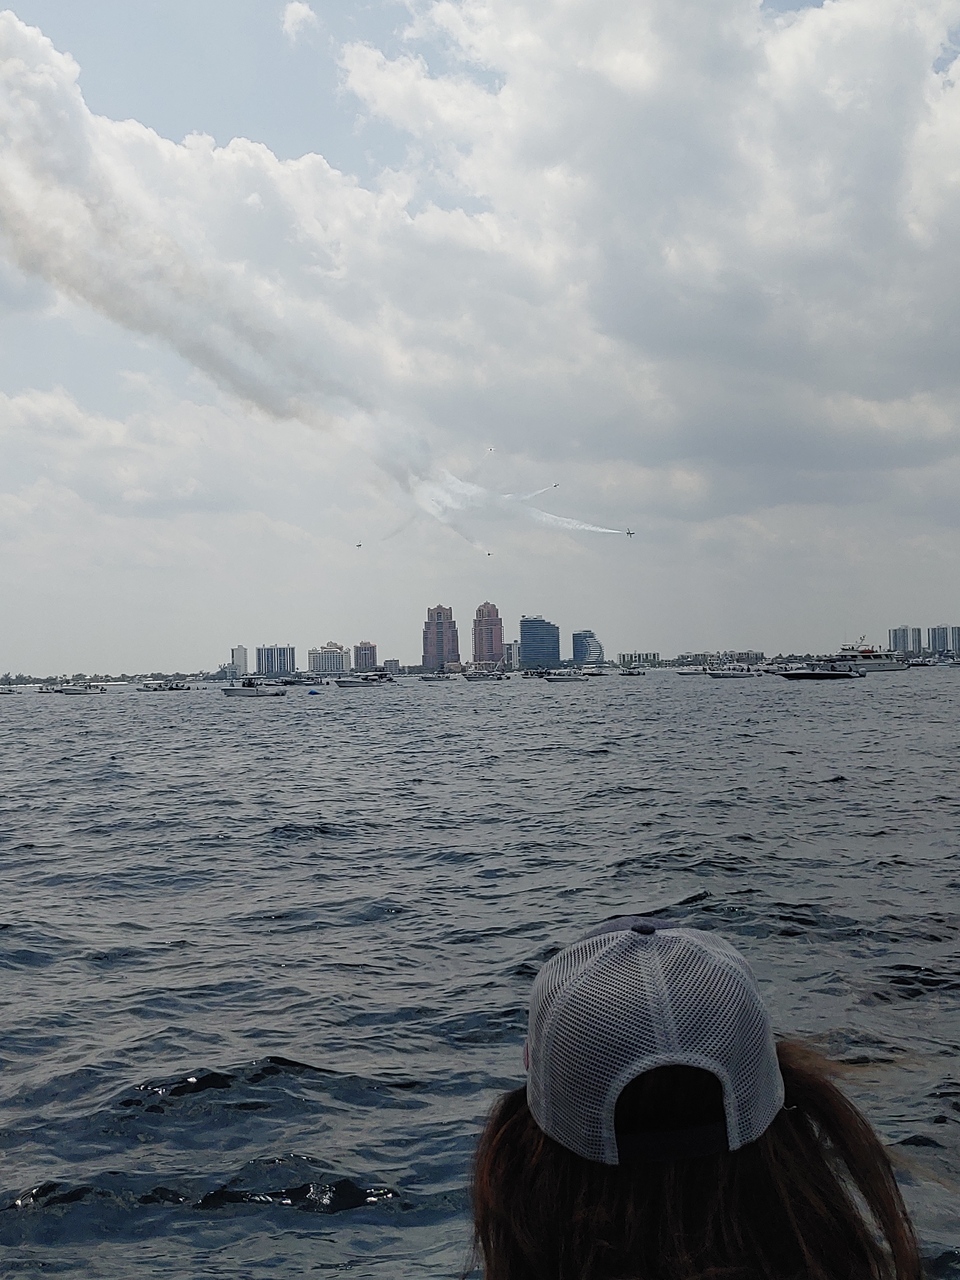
<point>264,964</point>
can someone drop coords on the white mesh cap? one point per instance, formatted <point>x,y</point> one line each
<point>631,997</point>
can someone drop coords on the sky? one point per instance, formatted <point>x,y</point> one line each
<point>278,279</point>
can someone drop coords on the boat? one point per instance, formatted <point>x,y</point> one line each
<point>691,671</point>
<point>633,671</point>
<point>567,677</point>
<point>868,656</point>
<point>84,687</point>
<point>251,689</point>
<point>162,686</point>
<point>480,677</point>
<point>733,673</point>
<point>435,677</point>
<point>824,671</point>
<point>365,680</point>
<point>5,690</point>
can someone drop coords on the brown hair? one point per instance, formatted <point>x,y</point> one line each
<point>813,1197</point>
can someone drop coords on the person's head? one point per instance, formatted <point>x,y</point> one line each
<point>664,1134</point>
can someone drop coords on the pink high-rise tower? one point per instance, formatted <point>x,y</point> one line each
<point>487,635</point>
<point>440,642</point>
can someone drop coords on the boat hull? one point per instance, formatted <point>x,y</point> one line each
<point>258,692</point>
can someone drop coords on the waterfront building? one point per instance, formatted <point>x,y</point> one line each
<point>441,645</point>
<point>539,643</point>
<point>364,656</point>
<point>392,666</point>
<point>487,636</point>
<point>638,659</point>
<point>938,639</point>
<point>238,659</point>
<point>331,659</point>
<point>745,657</point>
<point>276,660</point>
<point>955,641</point>
<point>511,655</point>
<point>906,640</point>
<point>586,648</point>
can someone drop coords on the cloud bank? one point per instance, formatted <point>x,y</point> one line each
<point>701,259</point>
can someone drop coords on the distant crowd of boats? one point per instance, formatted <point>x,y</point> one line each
<point>852,662</point>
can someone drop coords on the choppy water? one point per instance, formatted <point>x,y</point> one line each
<point>263,965</point>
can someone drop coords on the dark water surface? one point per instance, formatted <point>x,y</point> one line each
<point>264,964</point>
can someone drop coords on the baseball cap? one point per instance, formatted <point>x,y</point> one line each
<point>634,995</point>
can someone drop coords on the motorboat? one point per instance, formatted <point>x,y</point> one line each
<point>481,677</point>
<point>84,687</point>
<point>6,690</point>
<point>435,677</point>
<point>251,689</point>
<point>567,677</point>
<point>633,671</point>
<point>163,686</point>
<point>824,671</point>
<point>733,673</point>
<point>365,680</point>
<point>867,656</point>
<point>691,671</point>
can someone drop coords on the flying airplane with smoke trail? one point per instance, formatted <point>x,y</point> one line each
<point>85,203</point>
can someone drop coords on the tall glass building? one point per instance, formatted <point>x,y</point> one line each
<point>586,648</point>
<point>539,643</point>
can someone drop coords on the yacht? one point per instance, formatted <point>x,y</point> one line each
<point>567,677</point>
<point>251,689</point>
<point>869,657</point>
<point>433,677</point>
<point>478,677</point>
<point>84,687</point>
<point>365,680</point>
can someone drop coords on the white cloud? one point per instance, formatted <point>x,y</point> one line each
<point>297,17</point>
<point>697,261</point>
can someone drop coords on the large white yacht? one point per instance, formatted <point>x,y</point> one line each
<point>869,657</point>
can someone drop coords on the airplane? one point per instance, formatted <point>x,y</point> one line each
<point>359,544</point>
<point>631,534</point>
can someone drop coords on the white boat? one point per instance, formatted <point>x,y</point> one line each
<point>733,673</point>
<point>868,656</point>
<point>691,671</point>
<point>365,680</point>
<point>480,677</point>
<point>434,677</point>
<point>162,686</point>
<point>566,677</point>
<point>633,671</point>
<point>83,688</point>
<point>5,690</point>
<point>250,689</point>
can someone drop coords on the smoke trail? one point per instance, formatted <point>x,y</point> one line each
<point>97,209</point>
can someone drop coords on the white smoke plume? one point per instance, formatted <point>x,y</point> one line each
<point>113,215</point>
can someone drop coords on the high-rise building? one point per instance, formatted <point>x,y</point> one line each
<point>488,635</point>
<point>586,648</point>
<point>955,640</point>
<point>938,639</point>
<point>391,666</point>
<point>333,658</point>
<point>539,643</point>
<point>238,659</point>
<point>364,656</point>
<point>906,640</point>
<point>276,660</point>
<point>440,641</point>
<point>511,655</point>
